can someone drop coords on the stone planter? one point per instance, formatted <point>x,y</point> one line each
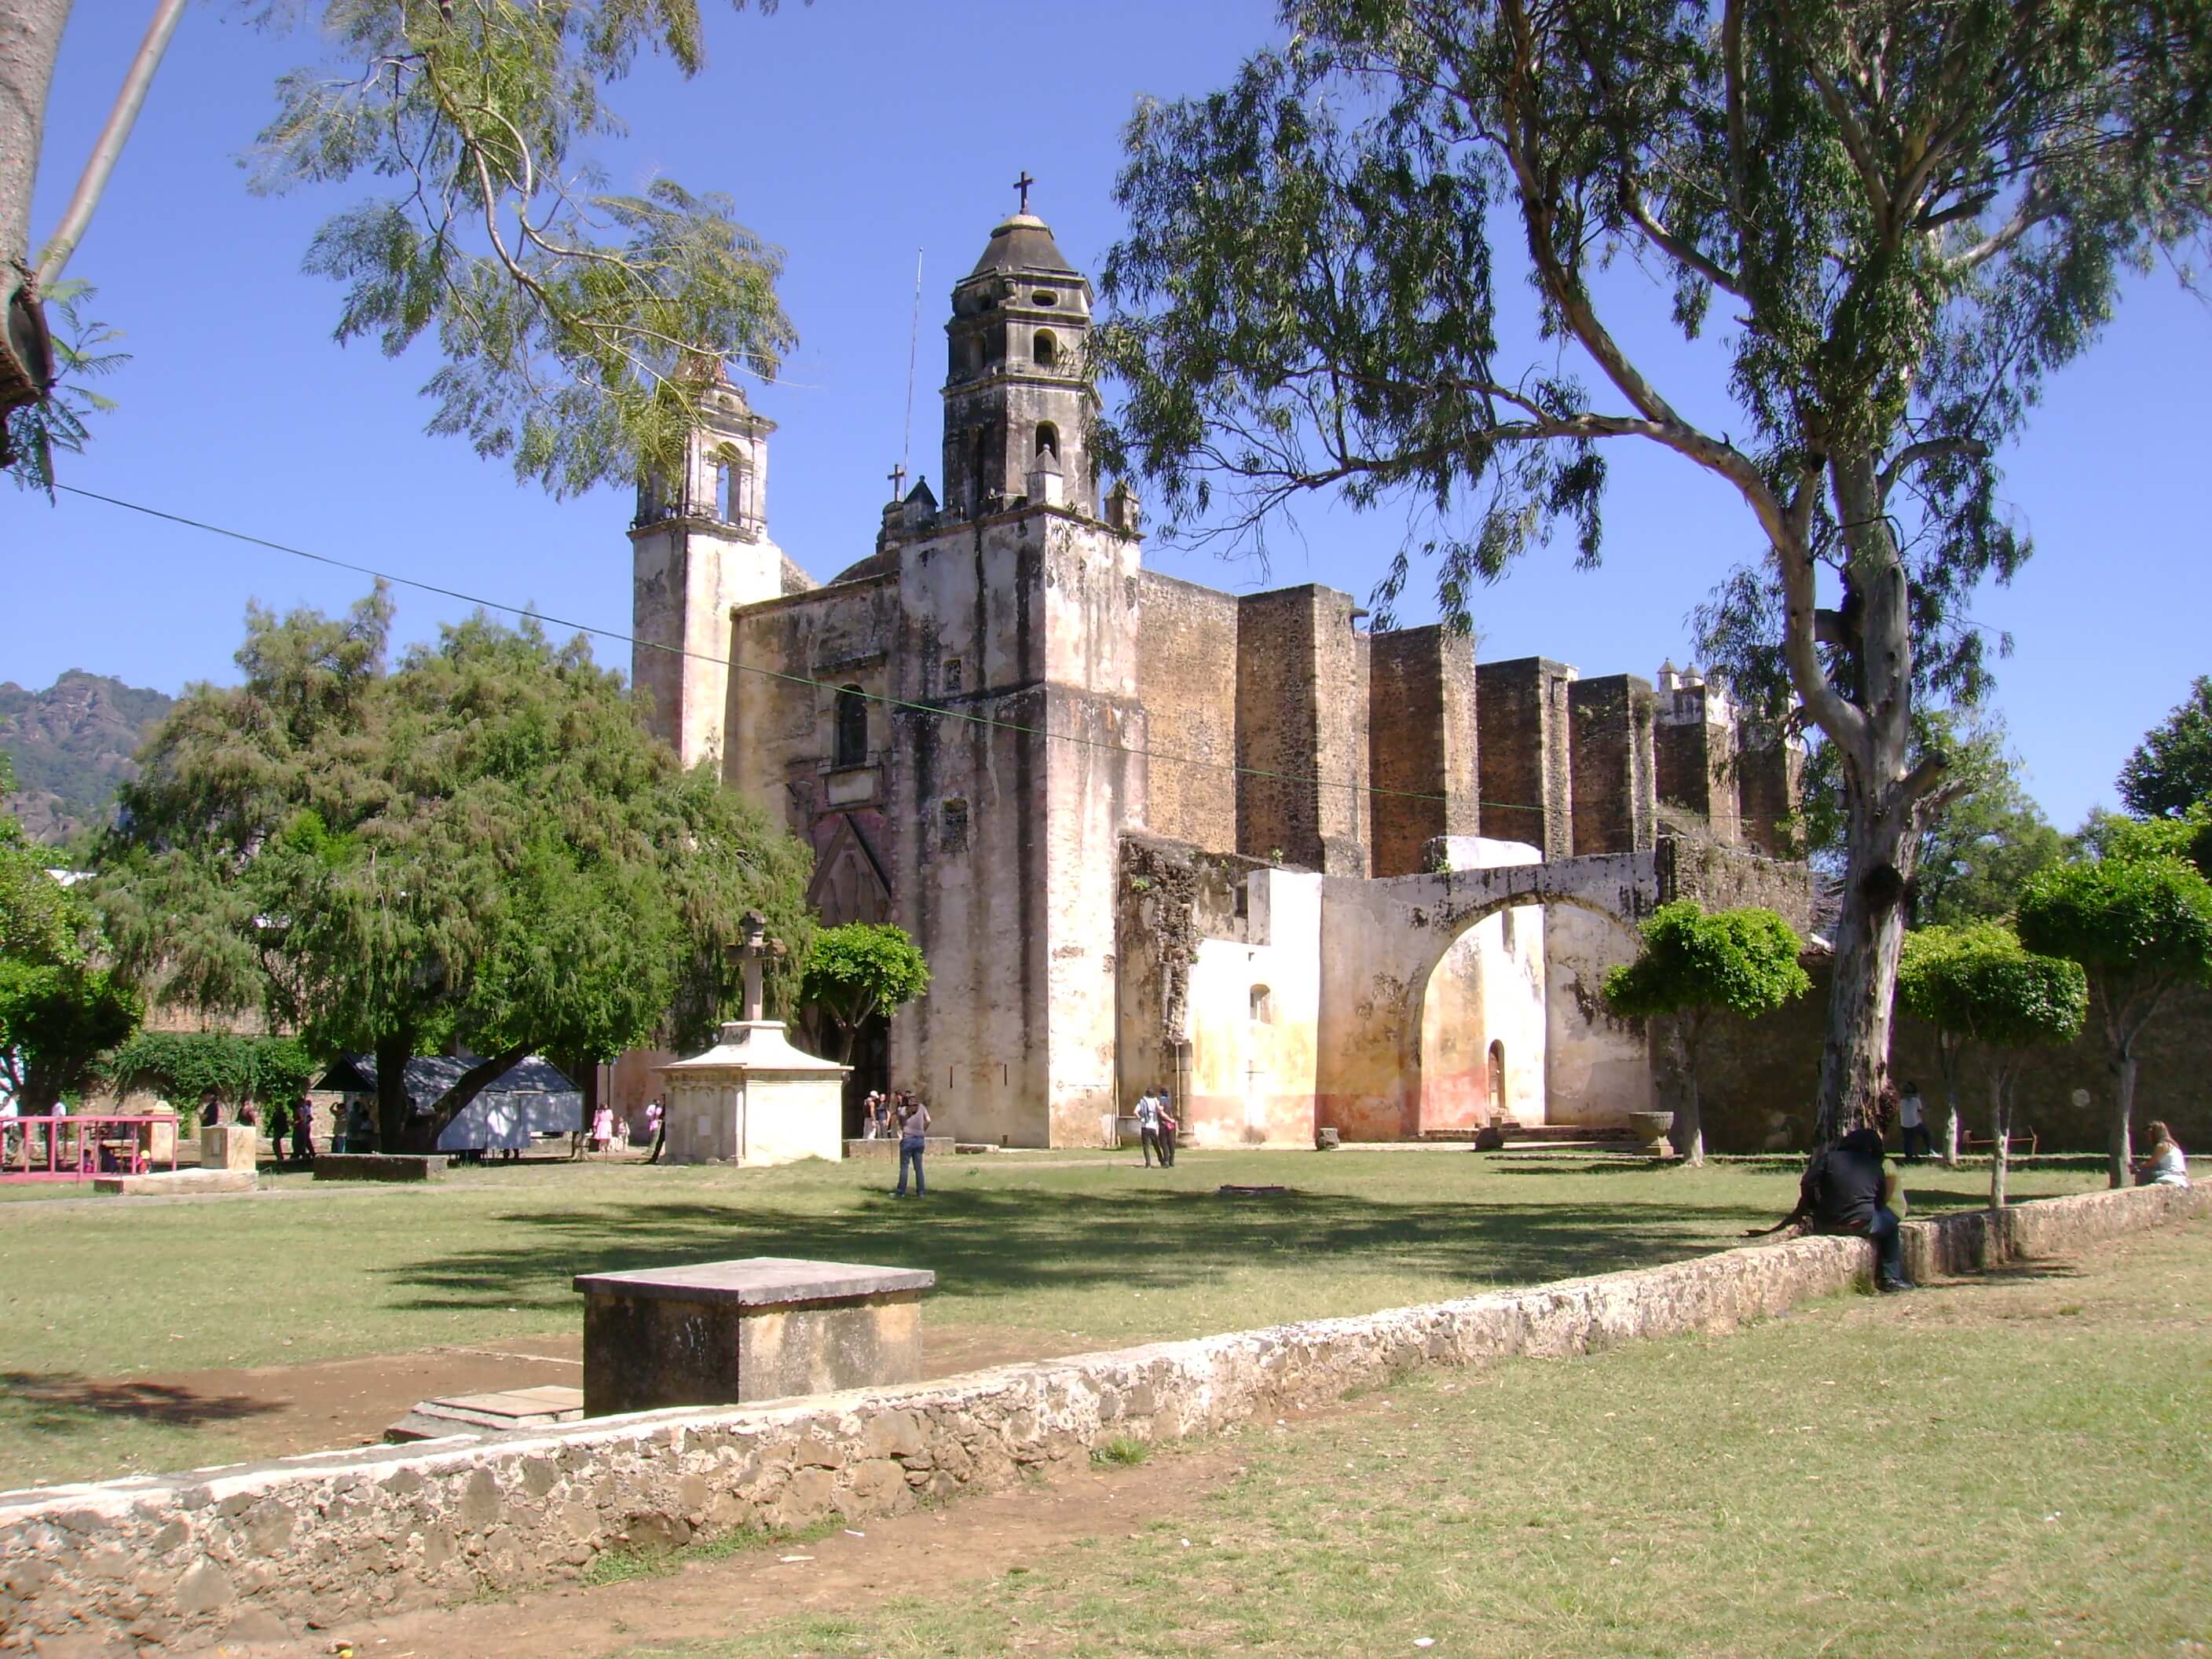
<point>1650,1129</point>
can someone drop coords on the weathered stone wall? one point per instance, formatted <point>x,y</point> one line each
<point>1421,734</point>
<point>1301,731</point>
<point>1596,1065</point>
<point>1187,677</point>
<point>1610,761</point>
<point>256,1551</point>
<point>1730,877</point>
<point>1694,745</point>
<point>1757,1079</point>
<point>1769,765</point>
<point>1522,753</point>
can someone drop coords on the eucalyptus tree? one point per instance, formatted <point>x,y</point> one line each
<point>480,848</point>
<point>564,313</point>
<point>1908,214</point>
<point>1694,965</point>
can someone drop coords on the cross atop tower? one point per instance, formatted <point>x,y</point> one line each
<point>1023,185</point>
<point>897,476</point>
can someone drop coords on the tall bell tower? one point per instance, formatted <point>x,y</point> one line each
<point>699,545</point>
<point>1016,407</point>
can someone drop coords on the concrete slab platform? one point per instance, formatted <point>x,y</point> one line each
<point>504,1410</point>
<point>171,1181</point>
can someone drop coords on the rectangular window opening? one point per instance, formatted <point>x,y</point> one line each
<point>952,826</point>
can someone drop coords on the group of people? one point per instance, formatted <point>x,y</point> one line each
<point>901,1115</point>
<point>295,1118</point>
<point>1157,1126</point>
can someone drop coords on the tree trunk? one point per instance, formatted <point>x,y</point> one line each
<point>1689,1136</point>
<point>1872,730</point>
<point>2120,1150</point>
<point>30,41</point>
<point>422,1132</point>
<point>1946,1051</point>
<point>393,1105</point>
<point>2000,1132</point>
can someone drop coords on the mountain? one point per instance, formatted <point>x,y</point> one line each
<point>71,745</point>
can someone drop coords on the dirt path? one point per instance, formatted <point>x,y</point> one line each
<point>280,1411</point>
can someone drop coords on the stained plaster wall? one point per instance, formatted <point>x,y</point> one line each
<point>1016,911</point>
<point>1597,1067</point>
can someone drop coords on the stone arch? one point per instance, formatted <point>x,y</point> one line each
<point>1479,1024</point>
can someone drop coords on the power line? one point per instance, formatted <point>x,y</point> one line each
<point>936,710</point>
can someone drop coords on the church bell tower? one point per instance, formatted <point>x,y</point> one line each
<point>1017,411</point>
<point>699,545</point>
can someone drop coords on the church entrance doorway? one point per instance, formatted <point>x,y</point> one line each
<point>870,1073</point>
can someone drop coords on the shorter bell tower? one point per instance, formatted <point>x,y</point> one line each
<point>699,545</point>
<point>1016,405</point>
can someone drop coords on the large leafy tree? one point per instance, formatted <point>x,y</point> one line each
<point>480,848</point>
<point>858,970</point>
<point>2139,919</point>
<point>2170,770</point>
<point>562,310</point>
<point>1977,985</point>
<point>1908,214</point>
<point>60,1007</point>
<point>1692,966</point>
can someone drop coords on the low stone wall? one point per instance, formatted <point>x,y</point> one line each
<point>171,1181</point>
<point>380,1166</point>
<point>886,1147</point>
<point>179,1559</point>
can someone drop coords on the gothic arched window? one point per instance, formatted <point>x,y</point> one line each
<point>852,727</point>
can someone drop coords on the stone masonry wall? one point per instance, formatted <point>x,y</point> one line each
<point>1528,792</point>
<point>1302,729</point>
<point>255,1551</point>
<point>1611,762</point>
<point>1187,679</point>
<point>1421,744</point>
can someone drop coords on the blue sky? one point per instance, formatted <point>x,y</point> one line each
<point>854,132</point>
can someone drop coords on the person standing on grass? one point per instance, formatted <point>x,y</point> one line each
<point>1912,1124</point>
<point>1842,1192</point>
<point>303,1130</point>
<point>1148,1127</point>
<point>1166,1109</point>
<point>914,1132</point>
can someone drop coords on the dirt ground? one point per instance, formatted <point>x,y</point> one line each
<point>281,1411</point>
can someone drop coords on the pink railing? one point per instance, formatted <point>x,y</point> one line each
<point>78,1147</point>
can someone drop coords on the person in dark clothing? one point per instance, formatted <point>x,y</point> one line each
<point>1842,1192</point>
<point>303,1130</point>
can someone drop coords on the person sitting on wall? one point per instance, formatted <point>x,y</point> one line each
<point>1842,1192</point>
<point>2166,1166</point>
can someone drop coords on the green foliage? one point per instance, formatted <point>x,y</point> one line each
<point>58,1007</point>
<point>860,969</point>
<point>183,1065</point>
<point>577,325</point>
<point>1978,983</point>
<point>482,848</point>
<point>2170,770</point>
<point>2126,918</point>
<point>1742,961</point>
<point>30,433</point>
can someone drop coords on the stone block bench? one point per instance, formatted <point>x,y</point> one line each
<point>761,1327</point>
<point>178,1181</point>
<point>380,1166</point>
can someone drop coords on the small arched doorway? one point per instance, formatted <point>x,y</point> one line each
<point>1496,1080</point>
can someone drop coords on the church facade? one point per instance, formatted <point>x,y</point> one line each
<point>1306,874</point>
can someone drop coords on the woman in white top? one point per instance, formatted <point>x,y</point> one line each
<point>2167,1166</point>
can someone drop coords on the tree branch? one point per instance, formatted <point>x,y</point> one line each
<point>1632,201</point>
<point>1927,449</point>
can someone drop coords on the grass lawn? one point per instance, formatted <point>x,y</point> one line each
<point>1090,1248</point>
<point>2018,1465</point>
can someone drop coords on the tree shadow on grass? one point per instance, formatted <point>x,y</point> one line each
<point>54,1402</point>
<point>983,1243</point>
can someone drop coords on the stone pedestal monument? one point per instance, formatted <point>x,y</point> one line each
<point>752,1098</point>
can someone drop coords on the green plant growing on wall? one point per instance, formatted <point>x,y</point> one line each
<point>1694,965</point>
<point>2140,921</point>
<point>1979,985</point>
<point>183,1065</point>
<point>858,970</point>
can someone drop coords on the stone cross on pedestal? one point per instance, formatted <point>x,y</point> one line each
<point>757,948</point>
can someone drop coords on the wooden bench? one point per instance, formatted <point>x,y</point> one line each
<point>1971,1144</point>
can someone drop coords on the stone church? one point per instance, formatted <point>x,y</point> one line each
<point>1306,874</point>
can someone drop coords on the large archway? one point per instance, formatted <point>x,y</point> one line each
<point>1511,1022</point>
